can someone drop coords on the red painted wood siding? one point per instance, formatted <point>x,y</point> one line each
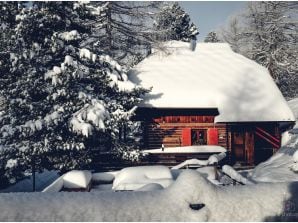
<point>186,137</point>
<point>165,131</point>
<point>212,136</point>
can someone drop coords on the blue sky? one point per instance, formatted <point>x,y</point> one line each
<point>210,15</point>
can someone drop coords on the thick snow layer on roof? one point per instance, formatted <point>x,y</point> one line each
<point>212,76</point>
<point>188,149</point>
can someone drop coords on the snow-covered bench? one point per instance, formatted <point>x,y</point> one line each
<point>134,178</point>
<point>75,180</point>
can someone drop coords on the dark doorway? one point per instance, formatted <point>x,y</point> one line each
<point>238,145</point>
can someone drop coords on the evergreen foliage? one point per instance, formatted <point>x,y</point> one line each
<point>173,23</point>
<point>64,97</point>
<point>211,38</point>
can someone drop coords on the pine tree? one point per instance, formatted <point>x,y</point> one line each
<point>123,30</point>
<point>10,172</point>
<point>64,97</point>
<point>211,38</point>
<point>173,23</point>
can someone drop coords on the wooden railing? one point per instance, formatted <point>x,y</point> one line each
<point>275,142</point>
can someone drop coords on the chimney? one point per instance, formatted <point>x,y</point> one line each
<point>193,44</point>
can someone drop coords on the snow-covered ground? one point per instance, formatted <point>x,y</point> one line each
<point>42,180</point>
<point>239,203</point>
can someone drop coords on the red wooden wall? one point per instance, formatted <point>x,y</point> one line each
<point>174,131</point>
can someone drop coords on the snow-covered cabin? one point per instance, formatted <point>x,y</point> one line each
<point>210,95</point>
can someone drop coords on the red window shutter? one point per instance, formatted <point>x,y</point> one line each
<point>186,137</point>
<point>212,137</point>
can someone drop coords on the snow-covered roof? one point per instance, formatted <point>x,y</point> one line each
<point>211,76</point>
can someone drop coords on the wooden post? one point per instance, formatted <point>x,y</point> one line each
<point>249,147</point>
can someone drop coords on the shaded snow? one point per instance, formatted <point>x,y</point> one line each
<point>151,187</point>
<point>104,177</point>
<point>42,180</point>
<point>212,76</point>
<point>238,203</point>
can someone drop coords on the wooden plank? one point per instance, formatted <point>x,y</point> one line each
<point>249,147</point>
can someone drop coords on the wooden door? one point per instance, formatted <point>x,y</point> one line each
<point>238,145</point>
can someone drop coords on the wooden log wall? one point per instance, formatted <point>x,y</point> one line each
<point>167,130</point>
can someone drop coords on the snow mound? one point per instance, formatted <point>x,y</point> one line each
<point>295,156</point>
<point>56,186</point>
<point>133,178</point>
<point>210,173</point>
<point>241,89</point>
<point>262,202</point>
<point>77,179</point>
<point>282,166</point>
<point>277,168</point>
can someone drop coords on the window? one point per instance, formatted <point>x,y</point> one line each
<point>199,137</point>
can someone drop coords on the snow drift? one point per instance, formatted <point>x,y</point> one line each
<point>258,203</point>
<point>282,166</point>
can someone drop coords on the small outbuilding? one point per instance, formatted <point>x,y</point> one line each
<point>209,95</point>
